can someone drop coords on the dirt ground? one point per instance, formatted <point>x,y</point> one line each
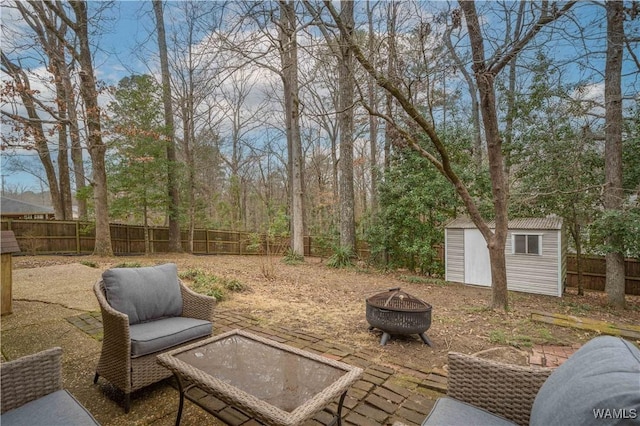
<point>314,298</point>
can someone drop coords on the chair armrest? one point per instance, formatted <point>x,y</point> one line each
<point>30,377</point>
<point>503,389</point>
<point>195,305</point>
<point>116,339</point>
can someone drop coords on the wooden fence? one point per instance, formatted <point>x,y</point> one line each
<point>594,273</point>
<point>73,237</point>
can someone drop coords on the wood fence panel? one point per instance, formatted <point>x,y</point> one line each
<point>74,237</point>
<point>594,274</point>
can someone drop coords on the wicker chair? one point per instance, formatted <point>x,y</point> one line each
<point>32,392</point>
<point>118,364</point>
<point>504,389</point>
<point>599,384</point>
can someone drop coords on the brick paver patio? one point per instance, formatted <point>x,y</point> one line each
<point>551,356</point>
<point>383,396</point>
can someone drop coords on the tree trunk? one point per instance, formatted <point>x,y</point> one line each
<point>289,59</point>
<point>579,264</point>
<point>373,120</point>
<point>76,146</point>
<point>97,149</point>
<point>63,149</point>
<point>496,240</point>
<point>613,192</point>
<point>175,244</point>
<point>345,117</point>
<point>389,134</point>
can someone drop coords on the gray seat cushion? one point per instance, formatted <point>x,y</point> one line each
<point>450,411</point>
<point>144,294</point>
<point>59,408</point>
<point>158,335</point>
<point>602,375</point>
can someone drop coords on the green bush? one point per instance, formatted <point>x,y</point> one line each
<point>128,265</point>
<point>291,258</point>
<point>341,258</point>
<point>211,285</point>
<point>89,263</point>
<point>233,285</point>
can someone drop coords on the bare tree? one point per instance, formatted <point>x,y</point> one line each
<point>287,31</point>
<point>175,244</point>
<point>195,78</point>
<point>373,103</point>
<point>613,192</point>
<point>456,23</point>
<point>33,127</point>
<point>257,45</point>
<point>485,73</point>
<point>345,117</point>
<point>242,116</point>
<point>62,112</point>
<point>81,53</point>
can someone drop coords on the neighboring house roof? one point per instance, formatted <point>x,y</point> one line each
<point>11,206</point>
<point>553,222</point>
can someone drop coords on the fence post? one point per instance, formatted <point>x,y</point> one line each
<point>77,237</point>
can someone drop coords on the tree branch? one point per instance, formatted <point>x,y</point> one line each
<point>518,45</point>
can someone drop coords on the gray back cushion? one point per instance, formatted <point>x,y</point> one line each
<point>144,294</point>
<point>603,375</point>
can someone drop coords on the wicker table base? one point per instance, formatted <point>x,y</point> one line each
<point>193,393</point>
<point>273,383</point>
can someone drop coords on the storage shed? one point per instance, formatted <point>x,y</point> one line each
<point>535,251</point>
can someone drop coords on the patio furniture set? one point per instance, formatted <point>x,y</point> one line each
<point>155,327</point>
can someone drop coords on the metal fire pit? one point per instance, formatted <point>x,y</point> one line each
<point>396,312</point>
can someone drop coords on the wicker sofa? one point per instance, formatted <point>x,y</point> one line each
<point>32,393</point>
<point>597,385</point>
<point>146,311</point>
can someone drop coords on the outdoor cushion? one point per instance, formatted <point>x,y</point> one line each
<point>59,408</point>
<point>449,411</point>
<point>145,293</point>
<point>603,375</point>
<point>158,335</point>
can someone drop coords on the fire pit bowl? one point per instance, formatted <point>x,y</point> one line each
<point>396,312</point>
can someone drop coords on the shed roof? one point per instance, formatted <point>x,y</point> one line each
<point>11,206</point>
<point>553,222</point>
<point>8,242</point>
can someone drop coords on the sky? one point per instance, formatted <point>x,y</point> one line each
<point>124,38</point>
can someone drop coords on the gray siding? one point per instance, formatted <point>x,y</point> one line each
<point>534,273</point>
<point>454,261</point>
<point>563,258</point>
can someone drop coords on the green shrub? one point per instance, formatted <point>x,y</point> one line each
<point>233,285</point>
<point>190,274</point>
<point>291,258</point>
<point>211,285</point>
<point>341,258</point>
<point>128,265</point>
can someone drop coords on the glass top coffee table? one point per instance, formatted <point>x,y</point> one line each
<point>275,383</point>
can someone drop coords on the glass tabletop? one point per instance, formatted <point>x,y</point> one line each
<point>279,377</point>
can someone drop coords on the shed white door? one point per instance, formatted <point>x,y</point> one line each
<point>477,268</point>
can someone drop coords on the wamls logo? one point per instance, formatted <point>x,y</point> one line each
<point>608,413</point>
